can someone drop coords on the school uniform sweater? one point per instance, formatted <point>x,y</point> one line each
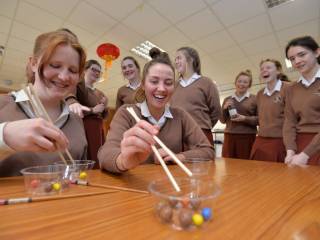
<point>248,108</point>
<point>73,129</point>
<point>302,116</point>
<point>88,97</point>
<point>125,95</point>
<point>201,100</point>
<point>271,112</point>
<point>181,134</point>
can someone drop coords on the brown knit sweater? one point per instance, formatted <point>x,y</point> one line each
<point>73,129</point>
<point>271,112</point>
<point>302,116</point>
<point>248,108</point>
<point>201,100</point>
<point>181,134</point>
<point>125,95</point>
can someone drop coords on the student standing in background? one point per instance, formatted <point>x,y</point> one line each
<point>302,125</point>
<point>196,94</point>
<point>239,112</point>
<point>268,145</point>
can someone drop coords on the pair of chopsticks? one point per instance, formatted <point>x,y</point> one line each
<point>40,111</point>
<point>170,153</point>
<point>86,183</point>
<point>12,201</point>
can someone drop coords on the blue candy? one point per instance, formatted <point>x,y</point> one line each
<point>206,213</point>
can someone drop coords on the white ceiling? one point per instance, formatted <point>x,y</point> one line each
<point>230,35</point>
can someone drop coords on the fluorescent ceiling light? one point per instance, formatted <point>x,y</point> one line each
<point>274,3</point>
<point>142,50</point>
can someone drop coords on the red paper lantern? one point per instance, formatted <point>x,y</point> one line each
<point>108,52</point>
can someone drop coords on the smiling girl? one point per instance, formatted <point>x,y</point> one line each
<point>302,125</point>
<point>131,71</point>
<point>129,143</point>
<point>196,94</point>
<point>240,131</point>
<point>54,70</point>
<point>268,145</point>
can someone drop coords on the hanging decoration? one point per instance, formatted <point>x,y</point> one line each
<point>108,52</point>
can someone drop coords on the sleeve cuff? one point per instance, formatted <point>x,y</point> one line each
<point>5,150</point>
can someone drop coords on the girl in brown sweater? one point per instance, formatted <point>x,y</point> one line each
<point>97,102</point>
<point>196,94</point>
<point>131,71</point>
<point>129,143</point>
<point>54,70</point>
<point>240,131</point>
<point>268,145</point>
<point>302,125</point>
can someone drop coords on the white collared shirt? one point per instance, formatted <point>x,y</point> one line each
<point>307,83</point>
<point>146,113</point>
<point>22,99</point>
<point>276,88</point>
<point>187,82</point>
<point>133,86</point>
<point>246,95</point>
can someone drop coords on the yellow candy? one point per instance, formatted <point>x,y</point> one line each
<point>197,219</point>
<point>83,175</point>
<point>56,186</point>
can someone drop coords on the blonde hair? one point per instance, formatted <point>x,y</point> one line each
<point>245,73</point>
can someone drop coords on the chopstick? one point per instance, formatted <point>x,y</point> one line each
<point>171,154</point>
<point>11,201</point>
<point>40,111</point>
<point>86,183</point>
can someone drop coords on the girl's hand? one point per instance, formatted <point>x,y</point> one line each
<point>34,135</point>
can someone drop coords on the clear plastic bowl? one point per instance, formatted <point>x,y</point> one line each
<point>189,209</point>
<point>78,170</point>
<point>200,167</point>
<point>44,180</point>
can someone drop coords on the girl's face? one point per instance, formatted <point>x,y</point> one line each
<point>61,73</point>
<point>268,72</point>
<point>242,84</point>
<point>92,74</point>
<point>158,87</point>
<point>181,62</point>
<point>303,60</point>
<point>129,70</point>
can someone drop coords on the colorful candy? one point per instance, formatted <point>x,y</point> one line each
<point>185,218</point>
<point>56,186</point>
<point>206,213</point>
<point>195,203</point>
<point>197,219</point>
<point>166,213</point>
<point>83,175</point>
<point>47,187</point>
<point>34,183</point>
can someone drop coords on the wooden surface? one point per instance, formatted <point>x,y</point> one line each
<point>260,200</point>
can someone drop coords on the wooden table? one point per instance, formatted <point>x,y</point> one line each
<point>260,200</point>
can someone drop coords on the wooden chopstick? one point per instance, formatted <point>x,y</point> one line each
<point>39,111</point>
<point>156,152</point>
<point>165,148</point>
<point>165,168</point>
<point>11,201</point>
<point>86,183</point>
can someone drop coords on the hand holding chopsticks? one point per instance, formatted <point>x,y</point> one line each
<point>41,112</point>
<point>170,153</point>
